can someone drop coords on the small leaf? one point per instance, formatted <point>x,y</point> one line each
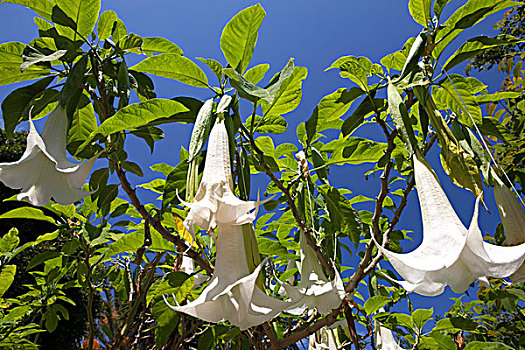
<point>215,66</point>
<point>421,316</point>
<point>173,66</point>
<point>375,303</point>
<point>357,69</point>
<point>255,74</point>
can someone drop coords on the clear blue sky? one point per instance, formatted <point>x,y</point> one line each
<point>315,33</point>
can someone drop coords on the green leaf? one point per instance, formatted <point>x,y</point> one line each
<point>397,60</point>
<point>7,276</point>
<point>365,108</point>
<point>421,316</point>
<point>255,74</point>
<point>72,90</point>
<point>215,66</point>
<point>139,114</point>
<point>9,241</point>
<point>20,101</point>
<point>478,345</point>
<point>497,96</point>
<point>10,62</point>
<point>492,127</point>
<point>401,119</point>
<point>342,216</point>
<point>51,320</point>
<point>413,56</point>
<point>41,258</point>
<point>105,24</point>
<point>438,7</point>
<point>336,104</point>
<point>456,323</point>
<point>268,125</point>
<point>42,8</point>
<point>152,45</point>
<point>173,66</point>
<point>27,213</point>
<point>375,303</point>
<point>239,37</point>
<point>473,12</point>
<point>476,45</point>
<point>175,183</point>
<point>83,12</point>
<point>420,11</point>
<point>455,94</point>
<point>84,121</point>
<point>357,69</point>
<point>438,341</point>
<point>287,92</point>
<point>354,150</point>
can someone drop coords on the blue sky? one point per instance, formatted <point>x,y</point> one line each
<point>315,33</point>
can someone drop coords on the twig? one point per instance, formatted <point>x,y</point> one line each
<point>351,323</point>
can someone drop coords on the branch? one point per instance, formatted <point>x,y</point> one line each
<point>157,225</point>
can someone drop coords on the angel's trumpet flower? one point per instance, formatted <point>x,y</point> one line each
<point>232,294</point>
<point>314,289</point>
<point>513,219</point>
<point>324,339</point>
<point>385,339</point>
<point>43,172</point>
<point>449,253</point>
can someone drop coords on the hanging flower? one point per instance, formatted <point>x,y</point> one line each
<point>214,203</point>
<point>232,294</point>
<point>513,219</point>
<point>43,172</point>
<point>449,253</point>
<point>324,339</point>
<point>314,289</point>
<point>187,266</point>
<point>385,339</point>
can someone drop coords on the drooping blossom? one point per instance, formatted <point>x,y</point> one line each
<point>314,289</point>
<point>449,253</point>
<point>385,339</point>
<point>188,266</point>
<point>232,294</point>
<point>324,339</point>
<point>43,172</point>
<point>513,219</point>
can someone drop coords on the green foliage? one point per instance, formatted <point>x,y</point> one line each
<point>104,265</point>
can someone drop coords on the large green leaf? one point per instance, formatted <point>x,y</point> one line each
<point>365,108</point>
<point>478,345</point>
<point>375,303</point>
<point>474,11</point>
<point>27,213</point>
<point>84,121</point>
<point>255,74</point>
<point>83,12</point>
<point>139,114</point>
<point>288,95</point>
<point>354,150</point>
<point>396,60</point>
<point>16,106</point>
<point>473,46</point>
<point>173,66</point>
<point>455,93</point>
<point>42,8</point>
<point>420,11</point>
<point>7,276</point>
<point>10,61</point>
<point>175,184</point>
<point>239,37</point>
<point>330,109</point>
<point>105,24</point>
<point>438,7</point>
<point>159,45</point>
<point>357,69</point>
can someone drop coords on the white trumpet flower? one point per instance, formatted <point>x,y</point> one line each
<point>314,289</point>
<point>385,339</point>
<point>513,219</point>
<point>449,253</point>
<point>214,203</point>
<point>324,339</point>
<point>232,294</point>
<point>43,172</point>
<point>187,266</point>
